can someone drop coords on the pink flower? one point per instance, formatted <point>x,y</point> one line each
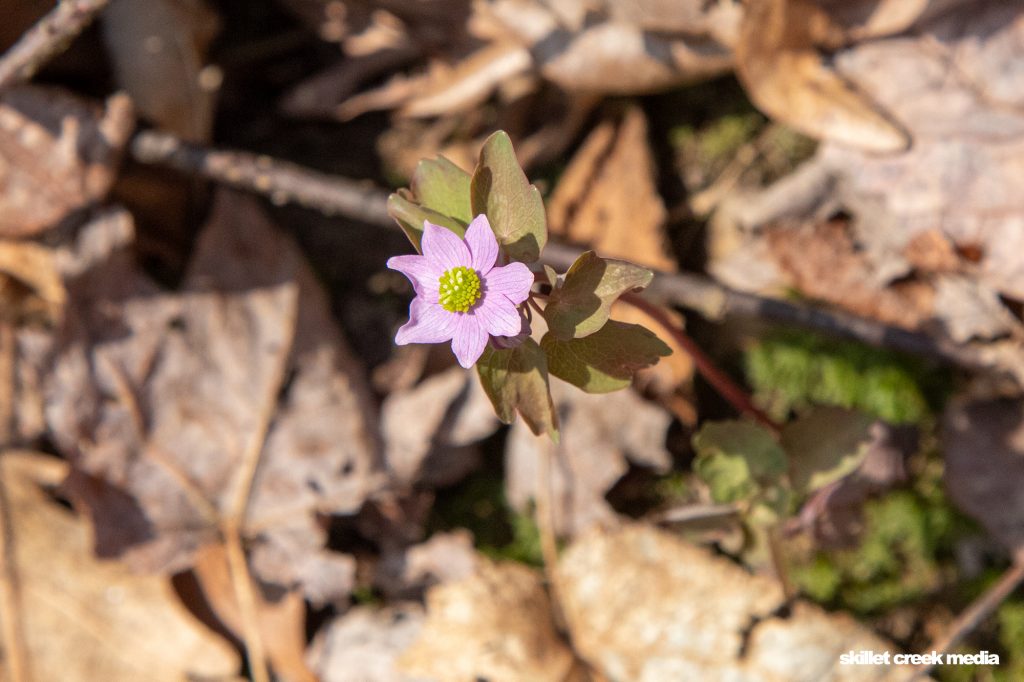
<point>460,295</point>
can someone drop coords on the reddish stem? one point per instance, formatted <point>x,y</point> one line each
<point>719,380</point>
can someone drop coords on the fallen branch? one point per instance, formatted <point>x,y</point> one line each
<point>50,36</point>
<point>287,183</point>
<point>280,181</point>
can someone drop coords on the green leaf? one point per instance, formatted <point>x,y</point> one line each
<point>410,217</point>
<point>582,304</point>
<point>728,477</point>
<point>441,186</point>
<point>513,206</point>
<point>738,459</point>
<point>825,445</point>
<point>606,360</point>
<point>517,379</point>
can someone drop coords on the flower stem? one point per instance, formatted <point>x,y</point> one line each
<point>719,380</point>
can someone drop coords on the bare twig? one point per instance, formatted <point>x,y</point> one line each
<point>695,513</point>
<point>976,612</point>
<point>281,181</point>
<point>718,379</point>
<point>50,36</point>
<point>285,182</point>
<point>234,520</point>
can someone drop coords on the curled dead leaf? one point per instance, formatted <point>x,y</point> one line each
<point>780,61</point>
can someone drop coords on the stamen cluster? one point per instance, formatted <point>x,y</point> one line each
<point>459,289</point>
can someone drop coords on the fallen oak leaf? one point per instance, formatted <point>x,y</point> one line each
<point>236,396</point>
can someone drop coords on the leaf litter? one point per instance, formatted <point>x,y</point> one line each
<point>136,405</point>
<point>227,413</point>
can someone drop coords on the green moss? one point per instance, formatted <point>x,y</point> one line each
<point>524,546</point>
<point>1010,618</point>
<point>792,371</point>
<point>896,562</point>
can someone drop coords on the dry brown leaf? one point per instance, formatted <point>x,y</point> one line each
<point>162,42</point>
<point>865,19</point>
<point>168,401</point>
<point>281,623</point>
<point>469,83</point>
<point>983,442</point>
<point>955,85</point>
<point>31,288</point>
<point>823,261</point>
<point>427,429</point>
<point>364,644</point>
<point>607,198</point>
<point>495,625</point>
<point>641,48</point>
<point>601,435</point>
<point>620,48</point>
<point>57,154</point>
<point>643,605</point>
<point>87,619</point>
<point>32,299</point>
<point>779,60</point>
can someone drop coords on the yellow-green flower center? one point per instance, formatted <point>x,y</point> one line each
<point>459,290</point>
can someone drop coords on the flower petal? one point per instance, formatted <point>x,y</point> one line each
<point>483,245</point>
<point>421,272</point>
<point>470,340</point>
<point>428,323</point>
<point>499,315</point>
<point>513,280</point>
<point>443,248</point>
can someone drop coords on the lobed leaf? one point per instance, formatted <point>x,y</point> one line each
<point>737,459</point>
<point>606,360</point>
<point>517,379</point>
<point>582,304</point>
<point>825,445</point>
<point>439,185</point>
<point>500,189</point>
<point>410,217</point>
